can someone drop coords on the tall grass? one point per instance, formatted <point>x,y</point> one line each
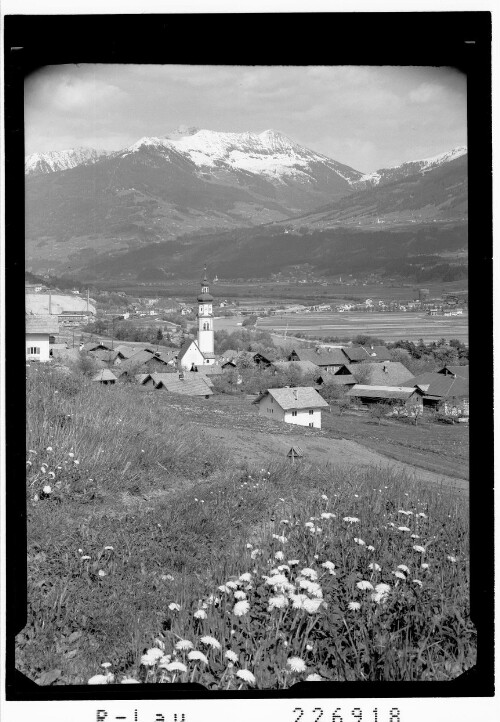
<point>142,583</point>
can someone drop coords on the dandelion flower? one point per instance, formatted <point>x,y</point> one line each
<point>99,679</point>
<point>399,575</point>
<point>354,606</point>
<point>31,451</point>
<point>370,548</point>
<point>278,602</point>
<point>84,558</point>
<point>415,536</point>
<point>166,659</point>
<point>246,577</point>
<point>174,607</point>
<point>364,584</point>
<point>51,475</point>
<point>210,642</point>
<point>403,568</point>
<point>309,524</point>
<point>314,678</point>
<point>71,455</point>
<point>249,546</point>
<point>403,528</point>
<point>279,556</point>
<point>374,567</point>
<point>418,548</point>
<point>424,565</point>
<point>351,519</point>
<point>184,644</point>
<point>196,656</point>
<point>232,656</point>
<point>298,600</point>
<point>154,653</point>
<point>277,580</point>
<point>246,676</point>
<point>451,558</point>
<point>148,661</point>
<point>109,548</point>
<point>176,667</point>
<point>224,588</point>
<point>239,595</point>
<point>101,573</point>
<point>359,541</point>
<point>47,489</point>
<point>283,567</point>
<point>232,585</point>
<point>306,572</point>
<point>241,608</point>
<point>76,462</point>
<point>421,514</point>
<point>129,680</point>
<point>312,605</point>
<point>105,665</point>
<point>328,565</point>
<point>417,581</point>
<point>406,513</point>
<point>293,562</point>
<point>296,664</point>
<point>284,521</point>
<point>309,647</point>
<point>167,577</point>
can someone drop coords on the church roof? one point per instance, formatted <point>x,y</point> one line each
<point>205,297</point>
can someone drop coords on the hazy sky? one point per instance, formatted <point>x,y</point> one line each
<point>367,117</point>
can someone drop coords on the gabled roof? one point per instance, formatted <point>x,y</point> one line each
<point>382,392</point>
<point>302,397</point>
<point>184,348</point>
<point>139,359</point>
<point>104,375</point>
<point>304,367</point>
<point>355,353</point>
<point>42,323</point>
<point>125,351</point>
<point>187,386</point>
<point>461,371</point>
<point>383,373</point>
<point>379,353</point>
<point>365,353</point>
<point>321,357</point>
<point>341,380</point>
<point>94,345</point>
<point>440,385</point>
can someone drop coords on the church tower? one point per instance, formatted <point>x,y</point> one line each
<point>206,321</point>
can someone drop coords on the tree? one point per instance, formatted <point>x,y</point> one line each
<point>250,320</point>
<point>86,365</point>
<point>378,411</point>
<point>159,335</point>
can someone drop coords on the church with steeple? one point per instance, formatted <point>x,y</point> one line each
<point>197,353</point>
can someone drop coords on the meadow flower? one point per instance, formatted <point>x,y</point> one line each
<point>154,653</point>
<point>196,656</point>
<point>279,556</point>
<point>399,575</point>
<point>105,665</point>
<point>246,676</point>
<point>101,573</point>
<point>281,538</point>
<point>241,608</point>
<point>312,605</point>
<point>283,567</point>
<point>246,577</point>
<point>351,519</point>
<point>418,548</point>
<point>296,664</point>
<point>239,595</point>
<point>293,562</point>
<point>364,584</point>
<point>184,644</point>
<point>451,558</point>
<point>278,602</point>
<point>309,647</point>
<point>403,568</point>
<point>76,462</point>
<point>148,661</point>
<point>354,606</point>
<point>99,679</point>
<point>403,528</point>
<point>84,558</point>
<point>174,607</point>
<point>406,513</point>
<point>35,498</point>
<point>109,548</point>
<point>29,463</point>
<point>328,565</point>
<point>71,455</point>
<point>424,566</point>
<point>417,581</point>
<point>47,489</point>
<point>381,593</point>
<point>51,475</point>
<point>314,678</point>
<point>166,659</point>
<point>232,656</point>
<point>306,572</point>
<point>309,524</point>
<point>359,541</point>
<point>249,546</point>
<point>374,567</point>
<point>277,580</point>
<point>176,667</point>
<point>370,548</point>
<point>232,585</point>
<point>254,553</point>
<point>224,588</point>
<point>414,536</point>
<point>31,451</point>
<point>210,642</point>
<point>421,514</point>
<point>129,680</point>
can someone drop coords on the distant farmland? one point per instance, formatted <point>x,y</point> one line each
<point>388,326</point>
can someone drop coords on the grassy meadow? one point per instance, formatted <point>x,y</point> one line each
<point>156,555</point>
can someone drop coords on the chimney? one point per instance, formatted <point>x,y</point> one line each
<point>295,394</point>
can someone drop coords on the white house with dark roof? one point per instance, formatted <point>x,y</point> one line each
<point>38,330</point>
<point>301,406</point>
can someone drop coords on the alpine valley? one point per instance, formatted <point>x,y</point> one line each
<point>254,203</point>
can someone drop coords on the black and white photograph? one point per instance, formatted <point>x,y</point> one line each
<point>246,317</point>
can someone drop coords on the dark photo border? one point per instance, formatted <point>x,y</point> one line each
<point>458,39</point>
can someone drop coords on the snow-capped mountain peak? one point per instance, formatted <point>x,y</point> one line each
<point>56,160</point>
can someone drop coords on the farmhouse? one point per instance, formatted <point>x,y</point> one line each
<point>407,395</point>
<point>438,388</point>
<point>301,406</point>
<point>105,377</point>
<point>180,384</point>
<point>143,360</point>
<point>385,373</point>
<point>460,371</point>
<point>38,330</point>
<point>328,359</point>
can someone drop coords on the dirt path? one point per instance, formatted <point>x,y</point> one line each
<point>261,447</point>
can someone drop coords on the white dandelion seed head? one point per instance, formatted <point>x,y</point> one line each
<point>296,664</point>
<point>246,676</point>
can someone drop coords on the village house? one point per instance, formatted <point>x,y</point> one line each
<point>438,388</point>
<point>301,406</point>
<point>178,383</point>
<point>38,330</point>
<point>328,359</point>
<point>105,377</point>
<point>403,395</point>
<point>385,373</point>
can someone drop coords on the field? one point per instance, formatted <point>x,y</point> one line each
<point>162,549</point>
<point>388,326</point>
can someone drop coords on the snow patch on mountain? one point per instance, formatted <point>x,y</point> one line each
<point>56,160</point>
<point>408,168</point>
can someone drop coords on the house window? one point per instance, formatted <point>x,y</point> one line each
<point>311,425</point>
<point>294,413</point>
<point>33,350</point>
<point>311,412</point>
